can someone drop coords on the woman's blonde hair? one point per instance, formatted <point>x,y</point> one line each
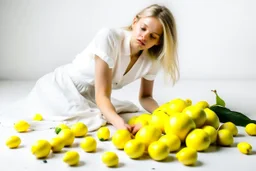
<point>166,51</point>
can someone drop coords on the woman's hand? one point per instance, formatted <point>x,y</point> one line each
<point>135,128</point>
<point>120,124</point>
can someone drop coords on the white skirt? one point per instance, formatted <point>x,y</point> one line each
<point>61,98</point>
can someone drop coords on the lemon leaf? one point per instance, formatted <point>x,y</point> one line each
<point>57,130</point>
<point>219,100</point>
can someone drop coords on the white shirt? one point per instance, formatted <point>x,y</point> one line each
<point>113,46</point>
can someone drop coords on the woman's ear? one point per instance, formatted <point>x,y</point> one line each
<point>135,20</point>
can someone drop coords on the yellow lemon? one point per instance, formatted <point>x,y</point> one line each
<point>158,150</point>
<point>225,137</point>
<point>68,137</point>
<point>79,129</point>
<point>158,119</point>
<point>134,148</point>
<point>21,126</point>
<point>121,137</point>
<point>71,158</point>
<point>60,127</point>
<point>13,142</point>
<point>165,108</point>
<point>172,141</point>
<point>198,139</point>
<point>41,148</point>
<point>211,131</point>
<point>132,120</point>
<point>57,144</point>
<point>180,125</point>
<point>244,147</point>
<point>197,114</point>
<point>103,133</point>
<point>143,119</point>
<point>88,144</point>
<point>38,117</point>
<point>187,156</point>
<point>203,104</point>
<point>230,126</point>
<point>145,116</point>
<point>110,159</point>
<point>211,118</point>
<point>176,105</point>
<point>189,102</point>
<point>148,134</point>
<point>250,129</point>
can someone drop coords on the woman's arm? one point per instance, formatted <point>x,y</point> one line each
<point>146,99</point>
<point>146,95</point>
<point>103,88</point>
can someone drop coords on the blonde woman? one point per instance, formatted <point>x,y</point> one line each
<point>81,90</point>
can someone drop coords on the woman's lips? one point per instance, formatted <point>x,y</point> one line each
<point>141,42</point>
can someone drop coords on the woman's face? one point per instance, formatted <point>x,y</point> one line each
<point>146,32</point>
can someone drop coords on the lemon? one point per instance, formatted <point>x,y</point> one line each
<point>148,134</point>
<point>110,159</point>
<point>158,119</point>
<point>88,144</point>
<point>158,150</point>
<point>120,137</point>
<point>225,137</point>
<point>21,126</point>
<point>13,142</point>
<point>198,139</point>
<point>172,141</point>
<point>41,148</point>
<point>38,117</point>
<point>203,104</point>
<point>180,125</point>
<point>165,108</point>
<point>134,148</point>
<point>176,105</point>
<point>79,129</point>
<point>189,102</point>
<point>60,127</point>
<point>57,144</point>
<point>230,126</point>
<point>132,120</point>
<point>103,133</point>
<point>211,118</point>
<point>244,147</point>
<point>143,119</point>
<point>197,114</point>
<point>67,136</point>
<point>212,132</point>
<point>250,129</point>
<point>187,156</point>
<point>71,158</point>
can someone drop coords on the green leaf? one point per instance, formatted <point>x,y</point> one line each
<point>219,100</point>
<point>57,130</point>
<point>227,115</point>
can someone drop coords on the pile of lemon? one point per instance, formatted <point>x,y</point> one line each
<point>177,126</point>
<point>182,128</point>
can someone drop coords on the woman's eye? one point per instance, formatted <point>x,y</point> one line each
<point>143,29</point>
<point>153,37</point>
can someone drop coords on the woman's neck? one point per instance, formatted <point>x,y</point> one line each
<point>135,51</point>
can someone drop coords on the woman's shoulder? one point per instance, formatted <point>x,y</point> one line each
<point>116,33</point>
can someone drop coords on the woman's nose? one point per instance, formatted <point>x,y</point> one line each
<point>144,36</point>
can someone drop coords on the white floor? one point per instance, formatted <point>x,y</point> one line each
<point>239,95</point>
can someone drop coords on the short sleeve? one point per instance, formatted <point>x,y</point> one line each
<point>151,75</point>
<point>104,44</point>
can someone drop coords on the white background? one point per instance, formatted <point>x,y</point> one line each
<point>216,37</point>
